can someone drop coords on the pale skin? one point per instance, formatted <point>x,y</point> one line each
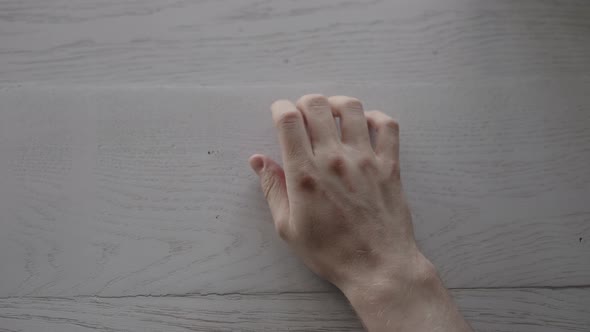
<point>338,202</point>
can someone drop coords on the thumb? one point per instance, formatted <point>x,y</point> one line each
<point>274,187</point>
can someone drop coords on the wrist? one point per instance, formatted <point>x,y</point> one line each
<point>412,298</point>
<point>413,277</point>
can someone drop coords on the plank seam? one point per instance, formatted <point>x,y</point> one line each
<point>578,287</point>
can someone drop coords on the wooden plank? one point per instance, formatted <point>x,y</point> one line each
<point>525,309</point>
<point>498,310</point>
<point>238,41</point>
<point>125,191</point>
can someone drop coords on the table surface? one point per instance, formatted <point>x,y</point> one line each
<point>126,201</point>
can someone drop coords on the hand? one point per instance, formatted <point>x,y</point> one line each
<point>338,202</point>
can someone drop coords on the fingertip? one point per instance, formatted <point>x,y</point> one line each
<point>283,109</point>
<point>256,162</point>
<point>312,100</point>
<point>345,102</point>
<point>281,104</point>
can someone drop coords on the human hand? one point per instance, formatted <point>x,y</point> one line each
<point>338,202</point>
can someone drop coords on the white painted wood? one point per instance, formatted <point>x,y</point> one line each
<point>522,310</point>
<point>296,312</point>
<point>257,41</point>
<point>127,191</point>
<point>498,310</point>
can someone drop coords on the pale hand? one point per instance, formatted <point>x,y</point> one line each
<point>338,202</point>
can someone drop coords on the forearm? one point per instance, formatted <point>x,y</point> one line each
<point>414,300</point>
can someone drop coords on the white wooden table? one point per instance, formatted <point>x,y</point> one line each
<point>126,201</point>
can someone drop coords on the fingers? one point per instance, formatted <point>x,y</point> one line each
<point>272,181</point>
<point>320,121</point>
<point>295,144</point>
<point>353,123</point>
<point>387,134</point>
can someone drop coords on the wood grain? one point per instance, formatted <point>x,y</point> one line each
<point>268,42</point>
<point>126,203</point>
<point>137,191</point>
<point>499,310</point>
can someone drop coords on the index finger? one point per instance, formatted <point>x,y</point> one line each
<point>295,143</point>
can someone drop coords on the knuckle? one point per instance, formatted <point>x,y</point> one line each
<point>313,101</point>
<point>346,103</point>
<point>367,163</point>
<point>307,182</point>
<point>289,118</point>
<point>305,178</point>
<point>391,124</point>
<point>337,164</point>
<point>352,104</point>
<point>335,158</point>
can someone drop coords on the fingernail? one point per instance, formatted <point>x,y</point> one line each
<point>257,164</point>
